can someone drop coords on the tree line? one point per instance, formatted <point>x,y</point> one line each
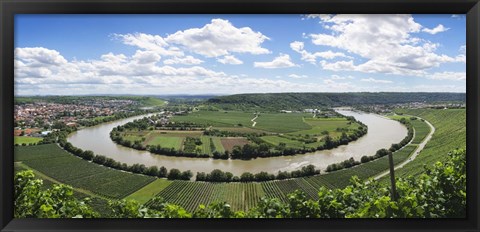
<point>220,176</point>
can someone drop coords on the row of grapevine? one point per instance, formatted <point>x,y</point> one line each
<point>241,196</point>
<point>56,163</point>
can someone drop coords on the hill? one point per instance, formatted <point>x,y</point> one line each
<point>294,101</point>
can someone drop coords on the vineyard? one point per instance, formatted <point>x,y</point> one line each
<point>421,130</point>
<point>450,133</point>
<point>56,163</point>
<point>241,196</point>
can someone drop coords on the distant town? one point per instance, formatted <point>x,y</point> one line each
<point>39,118</point>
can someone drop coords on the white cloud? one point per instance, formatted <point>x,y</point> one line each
<point>187,60</point>
<point>282,61</point>
<point>145,57</point>
<point>220,38</point>
<point>437,29</point>
<point>229,60</point>
<point>118,73</point>
<point>336,77</point>
<point>109,69</point>
<point>154,43</point>
<point>298,46</point>
<point>295,76</point>
<point>371,80</point>
<point>40,56</point>
<point>386,42</point>
<point>454,76</point>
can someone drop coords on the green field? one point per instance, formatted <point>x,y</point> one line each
<point>275,140</point>
<point>26,139</point>
<point>63,167</point>
<point>164,141</point>
<point>218,144</point>
<point>149,191</point>
<point>217,118</point>
<point>282,123</point>
<point>317,127</point>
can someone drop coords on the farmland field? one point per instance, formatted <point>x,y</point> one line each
<point>229,143</point>
<point>169,142</point>
<point>275,140</point>
<point>218,144</point>
<point>56,163</point>
<point>282,123</point>
<point>217,118</point>
<point>26,139</point>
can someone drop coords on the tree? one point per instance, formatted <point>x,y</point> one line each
<point>162,172</point>
<point>186,175</point>
<point>174,174</point>
<point>31,201</point>
<point>152,171</point>
<point>246,177</point>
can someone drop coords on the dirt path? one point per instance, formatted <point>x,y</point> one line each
<point>253,120</point>
<point>415,152</point>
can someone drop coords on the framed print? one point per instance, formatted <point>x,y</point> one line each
<point>252,115</point>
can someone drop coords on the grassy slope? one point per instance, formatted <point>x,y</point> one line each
<point>450,133</point>
<point>151,102</point>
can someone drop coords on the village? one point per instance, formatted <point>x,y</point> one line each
<point>39,118</point>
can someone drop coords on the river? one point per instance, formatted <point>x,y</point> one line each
<point>382,132</point>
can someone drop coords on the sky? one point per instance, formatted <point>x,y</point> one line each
<point>231,54</point>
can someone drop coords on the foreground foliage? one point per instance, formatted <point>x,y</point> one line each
<point>438,193</point>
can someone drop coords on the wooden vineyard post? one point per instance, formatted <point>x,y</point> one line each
<point>392,177</point>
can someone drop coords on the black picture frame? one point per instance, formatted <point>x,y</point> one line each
<point>11,7</point>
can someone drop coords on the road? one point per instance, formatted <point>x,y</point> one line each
<point>415,152</point>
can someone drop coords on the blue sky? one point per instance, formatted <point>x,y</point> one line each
<point>227,54</point>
